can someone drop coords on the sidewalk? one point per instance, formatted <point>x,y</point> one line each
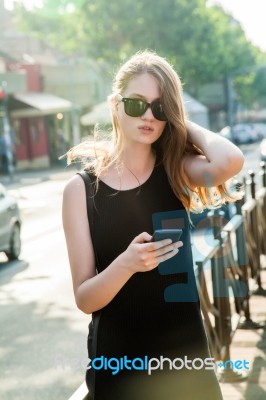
<point>31,177</point>
<point>250,345</point>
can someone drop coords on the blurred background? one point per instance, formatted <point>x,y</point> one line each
<point>57,62</point>
<point>58,58</point>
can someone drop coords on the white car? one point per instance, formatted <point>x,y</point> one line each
<point>261,129</point>
<point>244,133</point>
<point>240,133</point>
<point>10,225</point>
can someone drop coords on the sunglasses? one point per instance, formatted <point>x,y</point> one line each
<point>138,107</point>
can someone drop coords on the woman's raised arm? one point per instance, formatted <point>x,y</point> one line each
<point>221,159</point>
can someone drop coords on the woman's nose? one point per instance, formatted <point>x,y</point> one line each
<point>148,114</point>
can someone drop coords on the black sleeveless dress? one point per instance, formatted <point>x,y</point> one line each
<point>156,315</point>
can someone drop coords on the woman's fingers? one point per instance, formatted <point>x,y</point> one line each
<point>143,237</point>
<point>167,256</point>
<point>168,248</point>
<point>162,252</point>
<point>154,246</point>
<point>146,255</point>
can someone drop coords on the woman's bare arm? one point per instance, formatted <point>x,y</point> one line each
<point>93,292</point>
<point>221,160</point>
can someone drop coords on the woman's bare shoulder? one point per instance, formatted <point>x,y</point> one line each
<point>74,196</point>
<point>74,186</point>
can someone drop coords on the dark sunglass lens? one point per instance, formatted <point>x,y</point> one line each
<point>135,107</point>
<point>157,110</point>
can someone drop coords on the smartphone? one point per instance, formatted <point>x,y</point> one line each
<point>160,234</point>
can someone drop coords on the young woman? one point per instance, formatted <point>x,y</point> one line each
<point>156,169</point>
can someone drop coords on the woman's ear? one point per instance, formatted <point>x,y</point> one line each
<point>113,102</point>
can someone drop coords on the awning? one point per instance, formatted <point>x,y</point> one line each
<point>100,114</point>
<point>192,105</point>
<point>37,104</point>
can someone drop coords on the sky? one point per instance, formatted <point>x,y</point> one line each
<point>252,16</point>
<point>250,13</point>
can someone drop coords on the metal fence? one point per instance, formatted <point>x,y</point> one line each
<point>228,269</point>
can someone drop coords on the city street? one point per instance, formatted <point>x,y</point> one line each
<point>43,335</point>
<point>65,67</point>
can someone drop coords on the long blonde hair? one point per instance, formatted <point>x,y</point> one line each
<point>171,147</point>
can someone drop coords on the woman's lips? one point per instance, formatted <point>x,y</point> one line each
<point>145,129</point>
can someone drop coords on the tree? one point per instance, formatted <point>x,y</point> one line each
<point>204,44</point>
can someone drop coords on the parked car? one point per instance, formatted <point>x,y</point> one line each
<point>240,133</point>
<point>260,128</point>
<point>10,225</point>
<point>263,150</point>
<point>245,133</point>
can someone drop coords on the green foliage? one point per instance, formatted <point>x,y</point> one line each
<point>204,44</point>
<point>251,88</point>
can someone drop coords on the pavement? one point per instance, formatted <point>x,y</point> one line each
<point>247,344</point>
<point>250,344</point>
<point>31,177</point>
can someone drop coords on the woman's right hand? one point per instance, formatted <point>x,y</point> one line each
<point>143,255</point>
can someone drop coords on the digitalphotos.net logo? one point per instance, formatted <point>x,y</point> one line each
<point>162,363</point>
